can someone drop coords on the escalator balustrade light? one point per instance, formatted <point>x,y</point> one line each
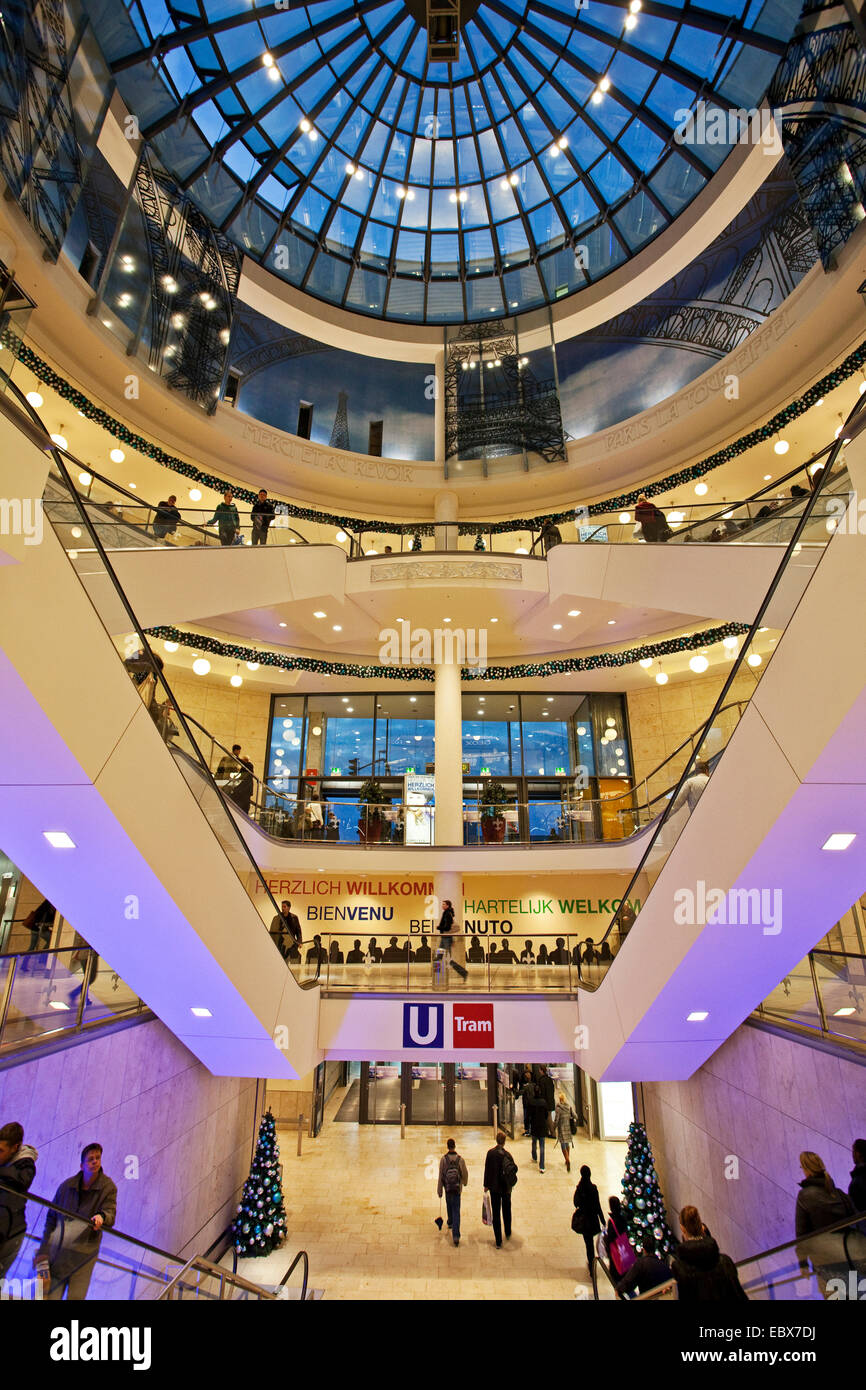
<point>839,840</point>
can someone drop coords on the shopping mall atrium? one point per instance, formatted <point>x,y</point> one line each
<point>482,328</point>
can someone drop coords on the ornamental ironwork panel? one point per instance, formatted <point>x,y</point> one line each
<point>39,155</point>
<point>512,411</point>
<point>195,271</point>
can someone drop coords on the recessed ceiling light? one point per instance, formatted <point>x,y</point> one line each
<point>413,699</point>
<point>320,614</point>
<point>611,622</point>
<point>58,839</point>
<point>574,612</point>
<point>494,620</point>
<point>557,627</point>
<point>839,840</point>
<point>336,628</point>
<point>283,624</point>
<point>201,1013</point>
<point>768,477</point>
<point>698,1016</point>
<point>550,699</point>
<point>446,620</point>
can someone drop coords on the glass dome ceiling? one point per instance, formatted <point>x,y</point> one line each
<point>324,143</point>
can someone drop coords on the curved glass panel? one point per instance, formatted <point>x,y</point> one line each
<point>329,118</point>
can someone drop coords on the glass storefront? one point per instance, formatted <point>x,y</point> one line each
<point>552,755</point>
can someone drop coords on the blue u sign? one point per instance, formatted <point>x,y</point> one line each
<point>423,1025</point>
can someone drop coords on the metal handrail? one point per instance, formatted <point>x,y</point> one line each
<point>79,1025</point>
<point>301,1255</point>
<point>14,412</point>
<point>757,622</point>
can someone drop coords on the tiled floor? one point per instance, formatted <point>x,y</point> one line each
<point>362,1202</point>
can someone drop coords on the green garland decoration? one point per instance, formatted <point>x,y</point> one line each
<point>34,363</point>
<point>557,667</point>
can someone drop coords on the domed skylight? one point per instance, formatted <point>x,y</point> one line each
<point>323,142</point>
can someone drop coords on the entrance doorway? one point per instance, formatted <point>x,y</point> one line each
<point>433,1093</point>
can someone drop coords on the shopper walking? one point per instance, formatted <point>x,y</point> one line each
<point>548,1090</point>
<point>226,519</point>
<point>526,1093</point>
<point>538,1118</point>
<point>40,923</point>
<point>565,1125</point>
<point>820,1203</point>
<point>241,793</point>
<point>447,931</point>
<point>17,1171</point>
<point>692,788</point>
<point>228,766</point>
<point>617,1226</point>
<point>500,1177</point>
<point>550,536</point>
<point>65,1264</point>
<point>453,1177</point>
<point>587,1219</point>
<point>702,1272</point>
<point>263,513</point>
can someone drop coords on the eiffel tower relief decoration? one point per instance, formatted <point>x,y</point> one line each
<point>340,432</point>
<point>495,403</point>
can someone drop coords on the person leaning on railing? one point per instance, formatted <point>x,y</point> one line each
<point>67,1268</point>
<point>226,519</point>
<point>167,517</point>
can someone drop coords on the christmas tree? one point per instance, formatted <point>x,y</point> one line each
<point>260,1225</point>
<point>642,1196</point>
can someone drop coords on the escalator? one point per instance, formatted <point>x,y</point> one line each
<point>93,810</point>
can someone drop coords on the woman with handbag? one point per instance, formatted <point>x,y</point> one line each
<point>587,1219</point>
<point>565,1127</point>
<point>619,1247</point>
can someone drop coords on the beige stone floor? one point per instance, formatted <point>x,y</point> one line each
<point>361,1202</point>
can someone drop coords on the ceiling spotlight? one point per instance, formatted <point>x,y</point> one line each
<point>236,680</point>
<point>514,180</point>
<point>646,662</point>
<point>401,192</point>
<point>60,441</point>
<point>554,151</point>
<point>611,622</point>
<point>661,678</point>
<point>503,184</point>
<point>754,659</point>
<point>635,6</point>
<point>200,666</point>
<point>698,1016</point>
<point>341,535</point>
<point>839,841</point>
<point>698,664</point>
<point>701,489</point>
<point>604,84</point>
<point>201,1013</point>
<point>267,59</point>
<point>58,839</point>
<point>574,612</point>
<point>731,641</point>
<point>336,628</point>
<point>768,477</point>
<point>319,614</point>
<point>283,624</point>
<point>195,494</point>
<point>33,398</point>
<point>630,21</point>
<point>274,74</point>
<point>781,446</point>
<point>557,627</point>
<point>252,665</point>
<point>562,142</point>
<point>305,126</point>
<point>85,479</point>
<point>170,646</point>
<point>625,518</point>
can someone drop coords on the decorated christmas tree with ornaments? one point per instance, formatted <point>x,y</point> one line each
<point>642,1197</point>
<point>260,1225</point>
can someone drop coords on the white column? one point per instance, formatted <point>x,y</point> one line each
<point>445,510</point>
<point>448,755</point>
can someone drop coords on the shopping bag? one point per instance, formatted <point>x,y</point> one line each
<point>621,1253</point>
<point>487,1210</point>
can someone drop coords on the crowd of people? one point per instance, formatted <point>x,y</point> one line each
<point>698,1269</point>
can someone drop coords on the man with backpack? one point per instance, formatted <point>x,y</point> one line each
<point>500,1176</point>
<point>453,1177</point>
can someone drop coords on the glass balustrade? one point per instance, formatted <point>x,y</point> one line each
<point>48,995</point>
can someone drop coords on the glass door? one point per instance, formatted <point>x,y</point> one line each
<point>428,1094</point>
<point>471,1098</point>
<point>383,1106</point>
<point>505,1099</point>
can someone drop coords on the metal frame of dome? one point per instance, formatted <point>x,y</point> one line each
<point>442,194</point>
